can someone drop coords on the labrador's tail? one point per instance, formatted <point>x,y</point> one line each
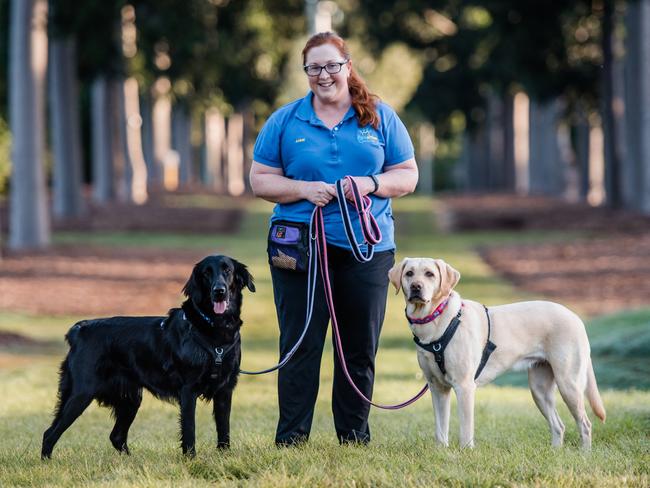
<point>593,395</point>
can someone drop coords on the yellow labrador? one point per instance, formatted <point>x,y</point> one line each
<point>544,337</point>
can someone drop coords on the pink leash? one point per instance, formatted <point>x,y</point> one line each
<point>370,230</point>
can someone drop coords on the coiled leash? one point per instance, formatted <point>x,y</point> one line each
<point>372,236</point>
<point>318,251</point>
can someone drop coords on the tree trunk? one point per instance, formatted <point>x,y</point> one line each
<point>508,142</point>
<point>636,180</point>
<point>161,118</point>
<point>215,137</point>
<point>147,139</point>
<point>29,220</point>
<point>235,147</point>
<point>102,158</point>
<point>495,143</point>
<point>610,116</point>
<point>66,129</point>
<point>137,189</point>
<point>181,141</point>
<point>121,164</point>
<point>521,132</point>
<point>582,150</point>
<point>426,155</point>
<point>546,171</point>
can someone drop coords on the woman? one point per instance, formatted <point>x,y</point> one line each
<point>338,129</point>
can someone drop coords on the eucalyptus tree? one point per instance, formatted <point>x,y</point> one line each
<point>476,51</point>
<point>29,224</point>
<point>225,56</point>
<point>63,90</point>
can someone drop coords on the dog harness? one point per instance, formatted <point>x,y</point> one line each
<point>437,348</point>
<point>216,353</point>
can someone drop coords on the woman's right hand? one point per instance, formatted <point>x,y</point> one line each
<point>318,192</point>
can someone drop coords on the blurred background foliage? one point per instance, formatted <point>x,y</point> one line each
<point>451,68</point>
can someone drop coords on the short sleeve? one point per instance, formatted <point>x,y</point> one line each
<point>267,145</point>
<point>399,147</point>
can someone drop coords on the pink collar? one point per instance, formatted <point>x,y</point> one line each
<point>432,316</point>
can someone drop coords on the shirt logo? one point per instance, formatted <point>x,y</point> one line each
<point>367,135</point>
<point>280,232</point>
<point>300,139</point>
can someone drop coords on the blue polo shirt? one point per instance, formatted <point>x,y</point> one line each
<point>296,140</point>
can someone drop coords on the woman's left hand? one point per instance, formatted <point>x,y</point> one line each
<point>364,184</point>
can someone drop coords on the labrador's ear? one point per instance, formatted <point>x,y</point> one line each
<point>448,277</point>
<point>243,276</point>
<point>395,275</point>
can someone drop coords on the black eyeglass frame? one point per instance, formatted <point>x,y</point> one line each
<point>307,67</point>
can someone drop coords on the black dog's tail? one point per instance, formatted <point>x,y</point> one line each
<point>65,388</point>
<point>65,377</point>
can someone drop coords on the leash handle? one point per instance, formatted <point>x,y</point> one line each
<point>324,267</point>
<point>369,227</point>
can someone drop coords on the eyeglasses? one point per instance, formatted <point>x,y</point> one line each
<point>331,68</point>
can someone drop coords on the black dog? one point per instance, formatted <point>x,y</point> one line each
<point>192,352</point>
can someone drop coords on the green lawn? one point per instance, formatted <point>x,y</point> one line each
<point>511,435</point>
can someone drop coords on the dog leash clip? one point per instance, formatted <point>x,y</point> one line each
<point>219,356</point>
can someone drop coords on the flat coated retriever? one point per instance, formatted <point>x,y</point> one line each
<point>193,352</point>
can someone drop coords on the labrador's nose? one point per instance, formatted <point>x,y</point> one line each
<point>416,287</point>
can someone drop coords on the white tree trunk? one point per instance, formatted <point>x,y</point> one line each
<point>235,145</point>
<point>64,119</point>
<point>181,141</point>
<point>521,134</point>
<point>137,190</point>
<point>215,143</point>
<point>161,118</point>
<point>29,220</point>
<point>102,160</point>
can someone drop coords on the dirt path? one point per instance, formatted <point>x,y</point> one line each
<point>608,271</point>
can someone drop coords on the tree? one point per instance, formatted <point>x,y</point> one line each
<point>29,219</point>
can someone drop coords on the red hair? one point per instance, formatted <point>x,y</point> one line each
<point>364,102</point>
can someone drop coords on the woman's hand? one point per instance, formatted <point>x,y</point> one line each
<point>318,192</point>
<point>364,184</point>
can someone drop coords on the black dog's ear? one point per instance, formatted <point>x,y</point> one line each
<point>192,287</point>
<point>243,276</point>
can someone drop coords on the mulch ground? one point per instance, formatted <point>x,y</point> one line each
<point>605,272</point>
<point>96,281</point>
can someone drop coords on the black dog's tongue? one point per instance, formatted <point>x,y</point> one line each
<point>220,307</point>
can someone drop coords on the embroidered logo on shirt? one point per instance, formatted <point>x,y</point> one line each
<point>300,139</point>
<point>280,232</point>
<point>367,135</point>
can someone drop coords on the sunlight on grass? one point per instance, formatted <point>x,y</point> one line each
<point>511,435</point>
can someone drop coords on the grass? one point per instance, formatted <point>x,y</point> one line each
<point>511,435</point>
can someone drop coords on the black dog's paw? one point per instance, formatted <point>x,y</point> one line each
<point>189,452</point>
<point>223,446</point>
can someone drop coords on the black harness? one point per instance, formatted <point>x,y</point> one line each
<point>437,348</point>
<point>216,353</point>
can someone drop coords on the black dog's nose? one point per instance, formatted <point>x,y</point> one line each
<point>219,291</point>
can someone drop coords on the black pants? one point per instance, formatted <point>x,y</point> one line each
<point>359,291</point>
